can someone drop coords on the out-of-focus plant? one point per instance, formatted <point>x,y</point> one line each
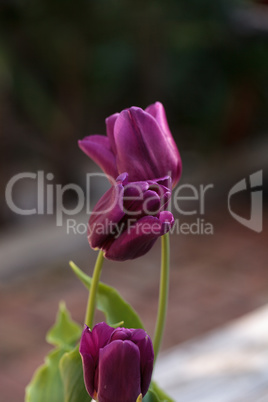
<point>61,62</point>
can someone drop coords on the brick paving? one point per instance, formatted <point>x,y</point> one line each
<point>214,279</point>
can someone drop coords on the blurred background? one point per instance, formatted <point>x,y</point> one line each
<point>64,67</point>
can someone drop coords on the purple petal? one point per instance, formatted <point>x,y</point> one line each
<point>133,154</point>
<point>152,203</point>
<point>86,344</point>
<point>122,334</point>
<point>101,334</point>
<point>139,200</point>
<point>162,187</point>
<point>89,373</point>
<point>163,194</point>
<point>91,342</point>
<point>143,149</point>
<point>119,372</point>
<point>98,148</point>
<point>135,189</point>
<point>163,181</point>
<point>122,178</point>
<point>106,215</point>
<point>138,238</point>
<point>144,343</point>
<point>167,221</point>
<point>158,112</point>
<point>110,122</point>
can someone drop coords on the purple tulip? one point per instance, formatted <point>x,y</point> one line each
<point>117,363</point>
<point>129,218</point>
<point>138,142</point>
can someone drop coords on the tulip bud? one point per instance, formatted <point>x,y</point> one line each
<point>117,363</point>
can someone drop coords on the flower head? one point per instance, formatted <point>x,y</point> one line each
<point>138,142</point>
<point>129,217</point>
<point>117,363</point>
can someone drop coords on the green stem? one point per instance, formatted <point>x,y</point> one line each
<point>91,304</point>
<point>163,295</point>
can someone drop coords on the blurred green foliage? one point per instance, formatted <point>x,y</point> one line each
<point>65,65</point>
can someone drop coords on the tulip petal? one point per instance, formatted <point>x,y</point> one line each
<point>134,197</point>
<point>139,200</point>
<point>163,181</point>
<point>158,112</point>
<point>143,149</point>
<point>122,334</point>
<point>138,239</point>
<point>108,212</point>
<point>98,148</point>
<point>89,373</point>
<point>110,122</point>
<point>144,343</point>
<point>167,220</point>
<point>119,372</point>
<point>91,342</point>
<point>101,334</point>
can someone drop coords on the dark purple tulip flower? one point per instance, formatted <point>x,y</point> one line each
<point>129,217</point>
<point>138,142</point>
<point>117,363</point>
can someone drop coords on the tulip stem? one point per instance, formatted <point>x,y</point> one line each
<point>91,304</point>
<point>163,295</point>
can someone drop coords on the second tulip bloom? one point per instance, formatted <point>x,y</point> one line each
<point>129,217</point>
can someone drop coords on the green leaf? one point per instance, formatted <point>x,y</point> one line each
<point>156,394</point>
<point>109,301</point>
<point>72,376</point>
<point>46,384</point>
<point>151,397</point>
<point>65,332</point>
